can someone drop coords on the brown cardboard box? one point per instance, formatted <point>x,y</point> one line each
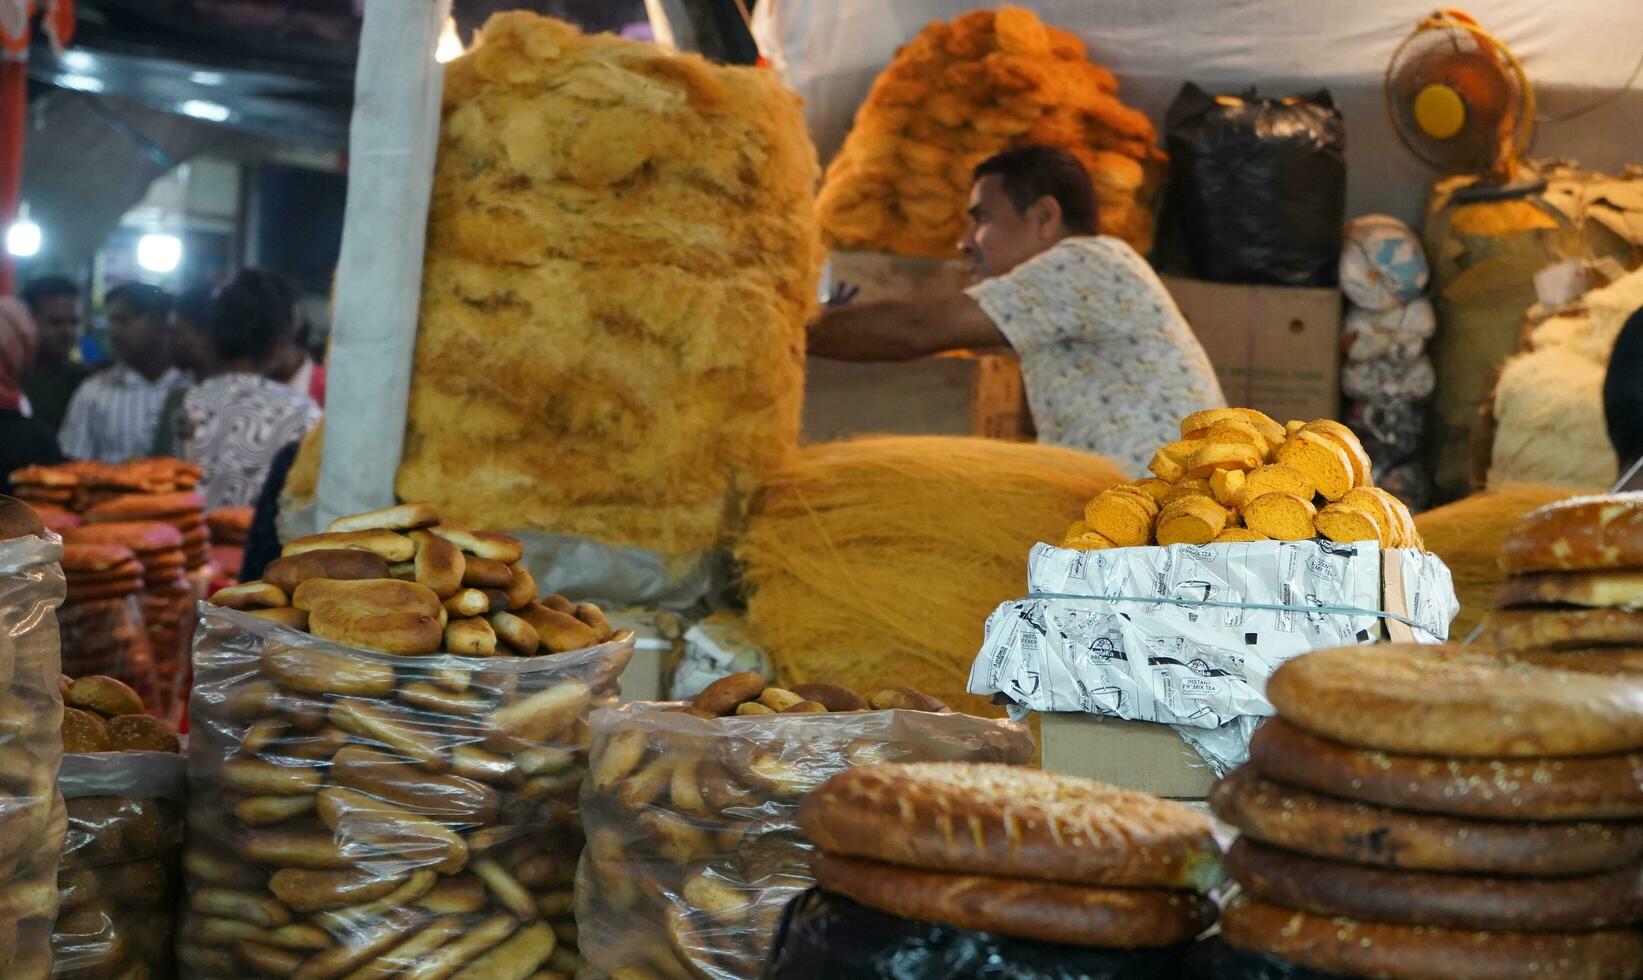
<point>1275,348</point>
<point>1140,755</point>
<point>958,394</point>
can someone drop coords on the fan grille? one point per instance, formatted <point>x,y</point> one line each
<point>1494,129</point>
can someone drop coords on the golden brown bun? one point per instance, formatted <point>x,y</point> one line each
<point>558,632</point>
<point>1424,898</point>
<point>1322,826</point>
<point>724,695</point>
<point>378,614</point>
<point>1020,823</point>
<point>141,733</point>
<point>439,564</point>
<point>1604,787</point>
<point>251,595</point>
<point>104,695</point>
<point>1581,534</point>
<point>1371,949</point>
<point>1442,700</point>
<point>1621,589</point>
<point>1562,629</point>
<point>401,517</point>
<point>486,573</point>
<point>296,619</point>
<point>391,545</point>
<point>906,699</point>
<point>84,732</point>
<point>832,696</point>
<point>482,544</point>
<point>1047,912</point>
<point>339,563</point>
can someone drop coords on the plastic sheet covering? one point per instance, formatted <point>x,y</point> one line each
<point>119,875</point>
<point>1214,959</point>
<point>1258,186</point>
<point>109,637</point>
<point>693,846</point>
<point>824,937</point>
<point>31,714</point>
<point>352,808</point>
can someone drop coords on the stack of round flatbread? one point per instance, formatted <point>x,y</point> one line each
<point>100,621</point>
<point>165,597</point>
<point>1015,852</point>
<point>1418,811</point>
<point>183,510</point>
<point>1573,598</point>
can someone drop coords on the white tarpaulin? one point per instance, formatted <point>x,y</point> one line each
<point>1574,50</point>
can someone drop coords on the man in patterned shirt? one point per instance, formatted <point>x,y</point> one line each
<point>1109,363</point>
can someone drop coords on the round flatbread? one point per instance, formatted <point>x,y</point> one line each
<point>1050,912</point>
<point>1424,898</point>
<point>1013,822</point>
<point>148,506</point>
<point>1580,534</point>
<point>1443,700</point>
<point>1598,660</point>
<point>1621,589</point>
<point>1562,629</point>
<point>1605,787</point>
<point>1358,833</point>
<point>1373,949</point>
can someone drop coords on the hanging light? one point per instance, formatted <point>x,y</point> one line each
<point>449,47</point>
<point>159,252</point>
<point>23,238</point>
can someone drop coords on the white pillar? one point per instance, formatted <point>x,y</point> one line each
<point>391,145</point>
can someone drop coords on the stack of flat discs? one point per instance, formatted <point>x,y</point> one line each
<point>56,518</point>
<point>1573,598</point>
<point>229,527</point>
<point>183,510</point>
<point>1015,852</point>
<point>101,619</point>
<point>166,600</point>
<point>48,485</point>
<point>1419,812</point>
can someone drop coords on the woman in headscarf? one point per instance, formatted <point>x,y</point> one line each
<point>24,441</point>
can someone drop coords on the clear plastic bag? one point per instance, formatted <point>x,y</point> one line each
<point>352,809</point>
<point>109,637</point>
<point>31,714</point>
<point>118,878</point>
<point>694,848</point>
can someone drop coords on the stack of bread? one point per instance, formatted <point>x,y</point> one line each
<point>101,619</point>
<point>118,877</point>
<point>31,811</point>
<point>229,527</point>
<point>1420,811</point>
<point>81,484</point>
<point>395,789</point>
<point>183,510</point>
<point>1014,852</point>
<point>1237,476</point>
<point>166,599</point>
<point>961,92</point>
<point>1573,598</point>
<point>693,850</point>
<point>56,518</point>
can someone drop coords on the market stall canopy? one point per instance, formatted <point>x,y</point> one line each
<point>829,51</point>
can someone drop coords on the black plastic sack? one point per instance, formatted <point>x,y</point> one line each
<point>1213,959</point>
<point>1258,186</point>
<point>827,937</point>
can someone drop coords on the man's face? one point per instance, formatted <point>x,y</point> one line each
<point>58,318</point>
<point>1000,237</point>
<point>133,335</point>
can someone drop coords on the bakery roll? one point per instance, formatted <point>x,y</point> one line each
<point>1581,534</point>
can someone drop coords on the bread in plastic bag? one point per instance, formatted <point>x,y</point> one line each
<point>110,637</point>
<point>694,848</point>
<point>119,876</point>
<point>31,713</point>
<point>824,936</point>
<point>351,809</point>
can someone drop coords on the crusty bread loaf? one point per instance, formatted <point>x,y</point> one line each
<point>1583,533</point>
<point>1371,949</point>
<point>1562,629</point>
<point>1604,787</point>
<point>1621,589</point>
<point>996,819</point>
<point>391,545</point>
<point>379,614</point>
<point>1442,700</point>
<point>1322,826</point>
<point>1426,898</point>
<point>1050,912</point>
<point>400,517</point>
<point>291,571</point>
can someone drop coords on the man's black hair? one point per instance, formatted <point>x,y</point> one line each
<point>1030,173</point>
<point>1623,392</point>
<point>37,291</point>
<point>194,305</point>
<point>142,299</point>
<point>252,314</point>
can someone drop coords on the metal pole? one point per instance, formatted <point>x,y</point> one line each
<point>14,86</point>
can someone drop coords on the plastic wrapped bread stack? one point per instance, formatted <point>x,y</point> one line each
<point>229,527</point>
<point>622,255</point>
<point>102,626</point>
<point>1387,376</point>
<point>960,92</point>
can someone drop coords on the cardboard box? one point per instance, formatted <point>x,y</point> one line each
<point>1139,755</point>
<point>1275,348</point>
<point>959,394</point>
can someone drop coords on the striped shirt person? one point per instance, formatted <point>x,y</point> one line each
<point>112,416</point>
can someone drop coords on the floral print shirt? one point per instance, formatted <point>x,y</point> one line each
<point>1109,363</point>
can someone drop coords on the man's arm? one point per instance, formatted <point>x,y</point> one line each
<point>900,330</point>
<point>75,436</point>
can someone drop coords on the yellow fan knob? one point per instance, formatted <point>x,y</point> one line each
<point>1439,111</point>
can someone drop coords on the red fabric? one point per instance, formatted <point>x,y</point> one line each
<point>316,384</point>
<point>17,340</point>
<point>14,86</point>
